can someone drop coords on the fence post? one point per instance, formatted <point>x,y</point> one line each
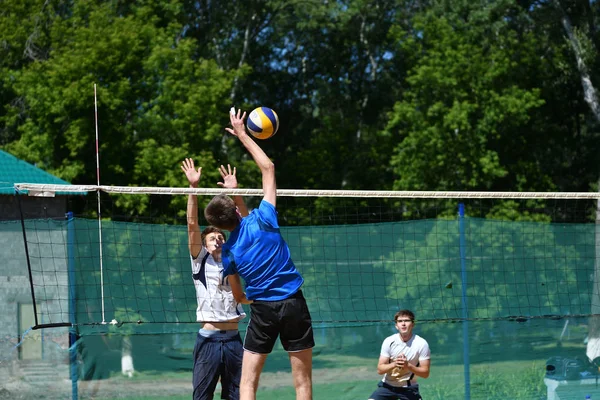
<point>465,310</point>
<point>72,304</point>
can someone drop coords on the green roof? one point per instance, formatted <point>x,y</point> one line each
<point>13,170</point>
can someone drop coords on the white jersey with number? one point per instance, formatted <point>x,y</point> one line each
<point>415,350</point>
<point>213,292</point>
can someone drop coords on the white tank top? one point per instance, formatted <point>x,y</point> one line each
<point>213,292</point>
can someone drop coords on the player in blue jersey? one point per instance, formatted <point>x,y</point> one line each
<point>218,350</point>
<point>257,252</point>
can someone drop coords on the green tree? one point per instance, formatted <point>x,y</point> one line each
<point>464,119</point>
<point>157,102</point>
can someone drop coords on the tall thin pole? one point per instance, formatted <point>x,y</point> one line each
<point>72,305</point>
<point>465,311</point>
<point>99,211</point>
<point>35,312</point>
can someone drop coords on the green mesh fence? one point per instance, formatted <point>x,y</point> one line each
<point>353,273</point>
<point>528,290</point>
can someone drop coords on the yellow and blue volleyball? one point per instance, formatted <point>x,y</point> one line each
<point>262,123</point>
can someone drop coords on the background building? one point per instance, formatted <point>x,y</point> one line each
<point>36,356</point>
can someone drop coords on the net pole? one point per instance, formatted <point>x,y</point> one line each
<point>465,311</point>
<point>99,210</point>
<point>33,299</point>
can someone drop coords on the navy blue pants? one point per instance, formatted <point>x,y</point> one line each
<point>218,356</point>
<point>388,392</point>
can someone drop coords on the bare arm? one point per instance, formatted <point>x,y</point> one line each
<point>267,168</point>
<point>238,291</point>
<point>194,234</point>
<point>241,205</point>
<point>405,366</point>
<point>386,365</point>
<point>422,370</point>
<point>230,181</point>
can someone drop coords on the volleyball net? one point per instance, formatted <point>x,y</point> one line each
<point>491,277</point>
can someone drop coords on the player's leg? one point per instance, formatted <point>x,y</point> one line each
<point>297,339</point>
<point>232,367</point>
<point>301,362</point>
<point>207,358</point>
<point>252,366</point>
<point>261,334</point>
<point>383,393</point>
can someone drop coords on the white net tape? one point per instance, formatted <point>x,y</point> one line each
<point>45,190</point>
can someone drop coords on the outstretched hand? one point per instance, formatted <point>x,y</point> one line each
<point>192,175</point>
<point>229,179</point>
<point>237,122</point>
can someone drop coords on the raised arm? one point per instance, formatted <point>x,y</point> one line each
<point>230,181</point>
<point>267,168</point>
<point>194,234</point>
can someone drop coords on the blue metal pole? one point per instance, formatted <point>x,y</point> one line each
<point>465,313</point>
<point>72,300</point>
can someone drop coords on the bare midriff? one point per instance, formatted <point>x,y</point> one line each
<point>220,326</point>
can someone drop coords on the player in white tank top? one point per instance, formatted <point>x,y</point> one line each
<point>216,303</point>
<point>218,350</point>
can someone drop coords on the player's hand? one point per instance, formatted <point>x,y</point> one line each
<point>400,361</point>
<point>237,122</point>
<point>192,175</point>
<point>229,179</point>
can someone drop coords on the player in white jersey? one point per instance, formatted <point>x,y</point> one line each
<point>216,303</point>
<point>403,357</point>
<point>218,350</point>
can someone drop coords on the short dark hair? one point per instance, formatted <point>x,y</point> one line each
<point>208,230</point>
<point>221,212</point>
<point>405,313</point>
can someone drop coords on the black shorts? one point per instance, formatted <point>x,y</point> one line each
<point>388,392</point>
<point>288,318</point>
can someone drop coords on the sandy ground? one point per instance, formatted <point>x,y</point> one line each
<point>118,388</point>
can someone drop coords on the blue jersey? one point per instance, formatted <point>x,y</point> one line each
<point>257,252</point>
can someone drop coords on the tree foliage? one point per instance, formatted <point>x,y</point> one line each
<point>381,95</point>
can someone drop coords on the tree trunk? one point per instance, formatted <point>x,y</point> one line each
<point>365,100</point>
<point>593,344</point>
<point>591,98</point>
<point>245,48</point>
<point>126,358</point>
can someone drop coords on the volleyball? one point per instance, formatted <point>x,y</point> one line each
<point>262,123</point>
